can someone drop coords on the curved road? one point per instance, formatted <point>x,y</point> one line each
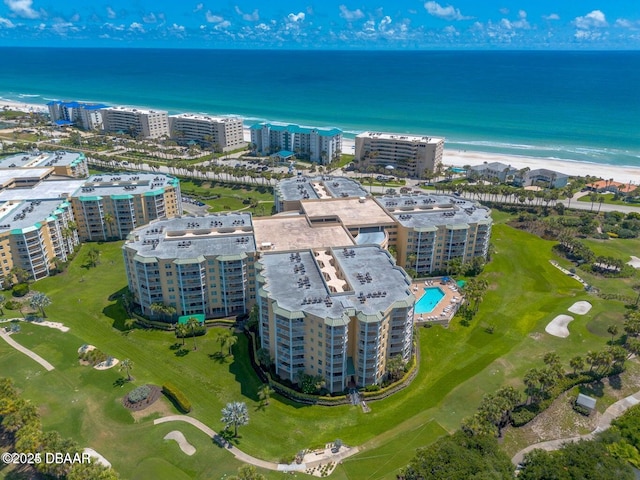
<point>614,411</point>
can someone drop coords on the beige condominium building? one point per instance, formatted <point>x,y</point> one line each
<point>135,121</point>
<point>42,165</point>
<point>109,206</point>
<point>223,132</point>
<point>338,313</point>
<point>413,155</point>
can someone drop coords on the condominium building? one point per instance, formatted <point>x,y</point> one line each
<point>34,236</point>
<point>289,193</point>
<point>317,145</point>
<point>36,163</point>
<point>136,121</point>
<point>223,132</point>
<point>435,229</point>
<point>339,313</point>
<point>412,155</point>
<point>87,116</point>
<point>197,265</point>
<point>108,207</point>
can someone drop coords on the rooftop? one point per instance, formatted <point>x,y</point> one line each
<point>139,110</point>
<point>369,281</point>
<point>193,238</point>
<point>7,177</point>
<point>41,159</point>
<point>356,212</point>
<point>24,215</point>
<point>289,232</point>
<point>205,118</point>
<point>297,129</point>
<point>123,184</point>
<point>401,137</point>
<point>323,186</point>
<point>74,104</point>
<point>51,189</point>
<point>431,211</point>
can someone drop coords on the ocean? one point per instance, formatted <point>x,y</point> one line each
<point>568,105</point>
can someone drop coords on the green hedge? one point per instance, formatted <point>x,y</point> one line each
<point>20,290</point>
<point>177,397</point>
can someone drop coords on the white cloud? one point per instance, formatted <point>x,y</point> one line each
<point>448,13</point>
<point>595,19</point>
<point>136,27</point>
<point>223,25</point>
<point>111,13</point>
<point>624,23</point>
<point>263,27</point>
<point>199,7</point>
<point>22,8</point>
<point>350,15</point>
<point>521,23</point>
<point>6,23</point>
<point>552,16</point>
<point>150,18</point>
<point>211,18</point>
<point>177,28</point>
<point>249,17</point>
<point>384,23</point>
<point>296,17</point>
<point>451,31</point>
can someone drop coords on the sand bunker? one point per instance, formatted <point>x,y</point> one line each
<point>558,326</point>
<point>580,308</point>
<point>634,262</point>
<point>100,459</point>
<point>182,442</point>
<point>106,365</point>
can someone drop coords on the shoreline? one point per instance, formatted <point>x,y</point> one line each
<point>455,158</point>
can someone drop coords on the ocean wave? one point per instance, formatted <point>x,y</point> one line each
<point>28,95</point>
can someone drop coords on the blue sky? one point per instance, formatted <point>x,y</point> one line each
<point>398,24</point>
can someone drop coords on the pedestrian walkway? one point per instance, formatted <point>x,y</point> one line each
<point>614,411</point>
<point>5,336</point>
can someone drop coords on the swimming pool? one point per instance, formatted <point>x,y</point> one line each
<point>429,300</point>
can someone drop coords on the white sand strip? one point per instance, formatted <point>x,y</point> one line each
<point>580,308</point>
<point>44,323</point>
<point>634,262</point>
<point>558,326</point>
<point>182,442</point>
<point>101,460</point>
<point>26,351</point>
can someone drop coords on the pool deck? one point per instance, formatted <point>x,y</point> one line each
<point>446,308</point>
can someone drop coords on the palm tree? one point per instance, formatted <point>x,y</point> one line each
<point>236,414</point>
<point>193,324</point>
<point>613,330</point>
<point>181,331</point>
<point>577,363</point>
<point>126,365</point>
<point>3,300</point>
<point>109,219</point>
<point>265,393</point>
<point>232,340</point>
<point>39,301</point>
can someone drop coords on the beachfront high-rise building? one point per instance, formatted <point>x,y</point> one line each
<point>317,145</point>
<point>87,116</point>
<point>413,155</point>
<point>224,132</point>
<point>197,265</point>
<point>109,206</point>
<point>337,313</point>
<point>136,121</point>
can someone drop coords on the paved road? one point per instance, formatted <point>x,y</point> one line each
<point>5,336</point>
<point>614,411</point>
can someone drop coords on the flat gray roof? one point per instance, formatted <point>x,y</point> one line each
<point>24,215</point>
<point>295,280</point>
<point>323,186</point>
<point>425,210</point>
<point>123,184</point>
<point>290,232</point>
<point>49,189</point>
<point>40,159</point>
<point>7,175</point>
<point>185,238</point>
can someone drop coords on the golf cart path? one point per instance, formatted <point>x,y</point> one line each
<point>614,411</point>
<point>5,336</point>
<point>243,457</point>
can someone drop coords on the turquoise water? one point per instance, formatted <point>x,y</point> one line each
<point>581,106</point>
<point>429,300</point>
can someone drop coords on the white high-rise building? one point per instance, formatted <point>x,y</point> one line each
<point>225,132</point>
<point>87,116</point>
<point>318,145</point>
<point>136,121</point>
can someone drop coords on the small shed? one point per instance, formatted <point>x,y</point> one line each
<point>586,402</point>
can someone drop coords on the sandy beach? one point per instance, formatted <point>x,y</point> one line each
<point>22,106</point>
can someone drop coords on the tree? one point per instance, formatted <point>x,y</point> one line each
<point>3,300</point>
<point>93,256</point>
<point>126,365</point>
<point>193,324</point>
<point>577,363</point>
<point>395,367</point>
<point>236,414</point>
<point>182,331</point>
<point>264,394</point>
<point>20,274</point>
<point>613,331</point>
<point>264,357</point>
<point>39,301</point>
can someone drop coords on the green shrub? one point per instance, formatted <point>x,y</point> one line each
<point>199,331</point>
<point>12,305</point>
<point>581,410</point>
<point>372,388</point>
<point>522,416</point>
<point>177,397</point>
<point>20,290</point>
<point>139,394</point>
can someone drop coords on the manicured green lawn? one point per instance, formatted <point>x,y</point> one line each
<point>230,198</point>
<point>458,366</point>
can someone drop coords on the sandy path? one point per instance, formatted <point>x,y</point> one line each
<point>26,351</point>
